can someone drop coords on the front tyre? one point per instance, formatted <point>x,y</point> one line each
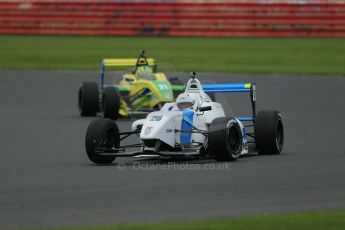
<point>101,132</point>
<point>225,139</point>
<point>269,132</point>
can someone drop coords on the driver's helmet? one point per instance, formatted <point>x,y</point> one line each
<point>188,101</point>
<point>143,71</point>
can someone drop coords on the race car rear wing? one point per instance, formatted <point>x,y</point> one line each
<point>235,88</point>
<point>111,62</point>
<point>140,61</point>
<point>125,62</point>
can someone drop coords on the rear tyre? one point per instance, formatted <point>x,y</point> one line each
<point>225,139</point>
<point>269,132</point>
<point>101,132</point>
<point>88,98</point>
<point>111,103</point>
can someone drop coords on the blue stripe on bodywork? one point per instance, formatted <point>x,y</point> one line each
<point>102,75</point>
<point>226,90</point>
<point>244,134</point>
<point>186,125</point>
<point>245,118</point>
<point>225,86</point>
<point>146,91</point>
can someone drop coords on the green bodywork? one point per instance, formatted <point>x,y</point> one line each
<point>146,94</point>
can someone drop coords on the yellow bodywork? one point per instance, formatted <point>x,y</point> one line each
<point>135,84</point>
<point>142,93</point>
<point>125,62</point>
<point>247,86</point>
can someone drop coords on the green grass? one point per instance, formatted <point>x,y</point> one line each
<point>307,56</point>
<point>300,221</point>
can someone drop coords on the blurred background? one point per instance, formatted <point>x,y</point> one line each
<point>303,37</point>
<point>208,18</point>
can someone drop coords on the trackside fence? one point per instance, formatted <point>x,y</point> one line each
<point>270,18</point>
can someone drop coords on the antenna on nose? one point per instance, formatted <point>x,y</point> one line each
<point>192,75</point>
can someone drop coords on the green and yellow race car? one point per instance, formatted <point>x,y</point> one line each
<point>140,91</point>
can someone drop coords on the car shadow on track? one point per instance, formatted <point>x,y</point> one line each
<point>124,162</point>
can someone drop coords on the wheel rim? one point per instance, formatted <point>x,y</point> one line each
<point>233,139</point>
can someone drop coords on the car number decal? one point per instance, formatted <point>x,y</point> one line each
<point>156,118</point>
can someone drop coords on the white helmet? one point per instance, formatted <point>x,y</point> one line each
<point>194,95</point>
<point>188,101</point>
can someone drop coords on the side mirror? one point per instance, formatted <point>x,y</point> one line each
<point>205,108</point>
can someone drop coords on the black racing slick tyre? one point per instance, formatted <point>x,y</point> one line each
<point>111,103</point>
<point>269,132</point>
<point>101,132</point>
<point>88,98</point>
<point>225,139</point>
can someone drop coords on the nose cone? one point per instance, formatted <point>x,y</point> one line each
<point>160,126</point>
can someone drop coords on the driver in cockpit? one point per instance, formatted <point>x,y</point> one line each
<point>144,72</point>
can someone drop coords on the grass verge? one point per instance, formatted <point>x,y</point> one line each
<point>334,220</point>
<point>304,56</point>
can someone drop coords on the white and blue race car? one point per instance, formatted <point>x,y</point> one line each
<point>193,126</point>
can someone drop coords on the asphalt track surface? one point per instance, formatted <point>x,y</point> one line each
<point>47,180</point>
